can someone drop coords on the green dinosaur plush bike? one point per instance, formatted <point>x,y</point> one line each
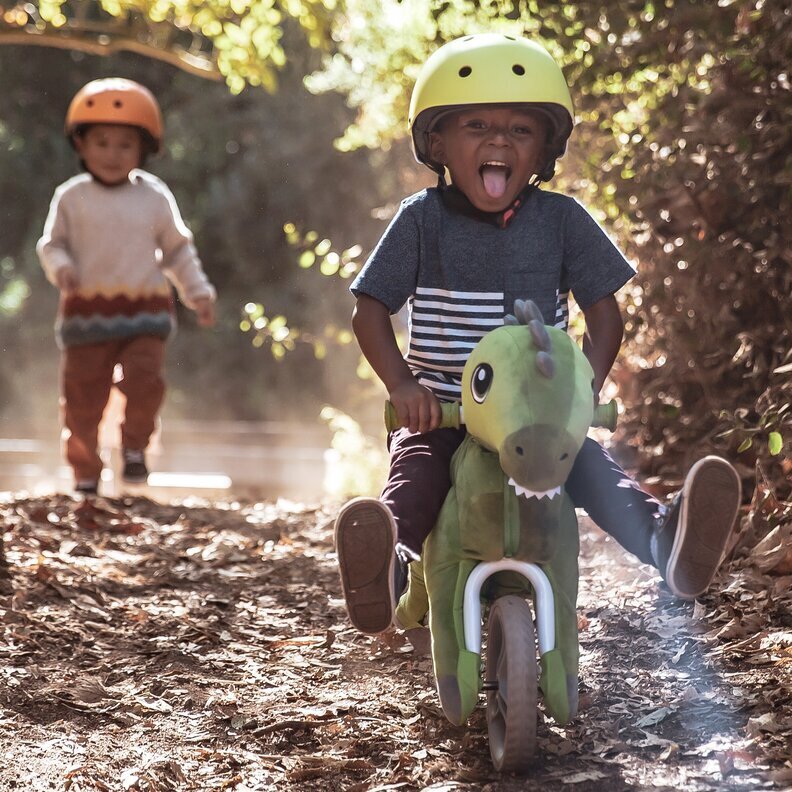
<point>508,529</point>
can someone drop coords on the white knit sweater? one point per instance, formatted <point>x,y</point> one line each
<point>125,243</point>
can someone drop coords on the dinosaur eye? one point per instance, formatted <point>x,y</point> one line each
<point>481,381</point>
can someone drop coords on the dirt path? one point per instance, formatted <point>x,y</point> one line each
<point>204,647</point>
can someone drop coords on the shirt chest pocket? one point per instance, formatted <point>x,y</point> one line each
<point>538,277</point>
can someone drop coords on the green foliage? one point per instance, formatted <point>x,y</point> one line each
<point>13,296</point>
<point>14,289</point>
<point>356,464</point>
<point>240,40</point>
<point>281,338</point>
<point>313,250</point>
<point>275,331</point>
<point>746,428</point>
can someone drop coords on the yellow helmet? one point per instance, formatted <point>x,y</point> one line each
<point>115,100</point>
<point>490,68</point>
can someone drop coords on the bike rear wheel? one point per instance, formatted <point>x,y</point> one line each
<point>511,684</point>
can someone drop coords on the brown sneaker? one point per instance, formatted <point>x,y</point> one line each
<point>365,538</point>
<point>691,538</point>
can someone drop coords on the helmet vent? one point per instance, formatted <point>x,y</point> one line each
<point>465,71</point>
<point>518,69</point>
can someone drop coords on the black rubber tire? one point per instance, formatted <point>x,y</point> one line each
<point>512,665</point>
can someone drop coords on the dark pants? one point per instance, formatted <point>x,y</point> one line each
<point>419,479</point>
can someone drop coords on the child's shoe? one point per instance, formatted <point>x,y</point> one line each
<point>365,539</point>
<point>87,487</point>
<point>135,470</point>
<point>691,535</point>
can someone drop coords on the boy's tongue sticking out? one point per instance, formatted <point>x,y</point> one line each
<point>494,175</point>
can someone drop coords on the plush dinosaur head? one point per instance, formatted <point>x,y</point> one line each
<point>526,395</point>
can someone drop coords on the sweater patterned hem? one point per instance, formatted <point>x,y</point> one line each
<point>92,319</point>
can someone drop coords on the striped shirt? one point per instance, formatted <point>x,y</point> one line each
<point>459,276</point>
<point>445,326</point>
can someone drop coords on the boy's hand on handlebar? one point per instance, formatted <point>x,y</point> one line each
<point>416,407</point>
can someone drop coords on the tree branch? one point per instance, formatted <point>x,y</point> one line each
<point>198,65</point>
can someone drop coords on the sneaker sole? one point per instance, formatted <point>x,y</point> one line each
<point>710,502</point>
<point>365,537</point>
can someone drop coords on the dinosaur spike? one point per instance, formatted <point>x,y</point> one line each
<point>510,319</point>
<point>519,311</point>
<point>545,364</point>
<point>539,335</point>
<point>533,312</point>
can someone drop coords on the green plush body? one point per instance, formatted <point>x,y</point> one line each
<point>528,427</point>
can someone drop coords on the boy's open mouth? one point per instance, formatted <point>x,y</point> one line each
<point>495,174</point>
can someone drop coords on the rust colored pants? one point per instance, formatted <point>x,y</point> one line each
<point>86,380</point>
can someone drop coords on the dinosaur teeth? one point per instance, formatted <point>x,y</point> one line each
<point>526,493</point>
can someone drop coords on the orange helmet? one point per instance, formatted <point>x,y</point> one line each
<point>115,100</point>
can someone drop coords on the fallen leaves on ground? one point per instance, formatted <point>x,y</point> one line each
<point>204,646</point>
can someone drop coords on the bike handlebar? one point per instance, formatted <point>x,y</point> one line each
<point>605,416</point>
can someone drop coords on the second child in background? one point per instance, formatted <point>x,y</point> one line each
<point>113,243</point>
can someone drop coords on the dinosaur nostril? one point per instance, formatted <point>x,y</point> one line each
<point>564,456</point>
<point>519,450</point>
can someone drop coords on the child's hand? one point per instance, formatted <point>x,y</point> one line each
<point>66,279</point>
<point>205,312</point>
<point>417,407</point>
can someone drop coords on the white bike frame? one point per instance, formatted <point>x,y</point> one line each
<point>543,598</point>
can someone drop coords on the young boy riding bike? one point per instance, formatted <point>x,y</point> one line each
<point>494,113</point>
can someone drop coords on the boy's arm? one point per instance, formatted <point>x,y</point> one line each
<point>181,264</point>
<point>602,341</point>
<point>416,406</point>
<point>180,260</point>
<point>53,247</point>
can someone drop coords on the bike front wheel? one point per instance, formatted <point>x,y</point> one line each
<point>511,684</point>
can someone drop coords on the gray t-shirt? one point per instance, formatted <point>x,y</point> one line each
<point>460,276</point>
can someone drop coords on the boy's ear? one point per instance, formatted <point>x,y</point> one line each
<point>437,148</point>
